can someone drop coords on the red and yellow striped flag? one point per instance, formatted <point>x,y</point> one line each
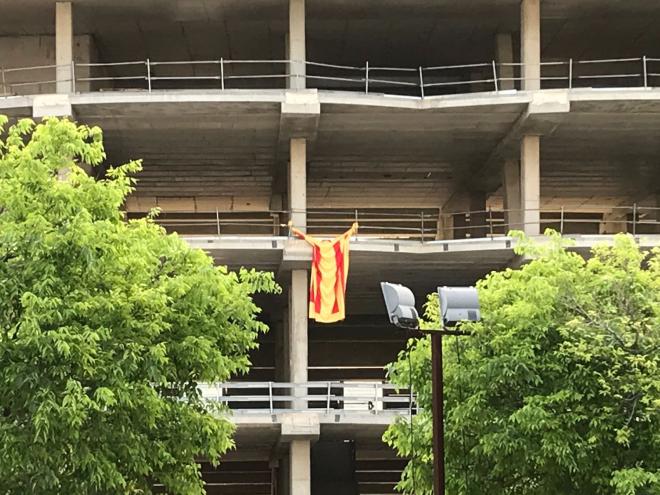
<point>327,287</point>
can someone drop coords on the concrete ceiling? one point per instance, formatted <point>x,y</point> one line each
<point>385,32</point>
<point>377,157</point>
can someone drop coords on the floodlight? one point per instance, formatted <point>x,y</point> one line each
<point>400,303</point>
<point>459,304</point>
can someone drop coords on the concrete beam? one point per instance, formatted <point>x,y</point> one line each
<point>296,255</point>
<point>296,44</point>
<point>64,46</point>
<point>530,43</point>
<point>52,105</point>
<point>299,426</point>
<point>543,115</point>
<point>530,183</point>
<point>301,111</point>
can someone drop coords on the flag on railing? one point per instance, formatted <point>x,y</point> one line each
<point>327,286</point>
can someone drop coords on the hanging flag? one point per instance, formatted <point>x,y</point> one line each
<point>327,286</point>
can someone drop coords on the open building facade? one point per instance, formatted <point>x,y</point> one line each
<point>438,126</point>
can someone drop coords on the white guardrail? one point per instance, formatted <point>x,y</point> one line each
<point>322,397</point>
<point>222,74</point>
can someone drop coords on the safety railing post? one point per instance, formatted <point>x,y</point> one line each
<point>645,72</point>
<point>270,396</point>
<point>375,398</point>
<point>148,75</point>
<point>73,76</point>
<point>561,221</point>
<point>634,219</point>
<point>497,89</point>
<point>570,74</point>
<point>421,82</point>
<point>490,220</point>
<point>217,221</point>
<point>356,221</point>
<point>327,404</point>
<point>366,77</point>
<point>4,81</point>
<point>422,225</point>
<point>222,73</point>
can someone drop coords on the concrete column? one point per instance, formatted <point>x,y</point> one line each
<point>479,216</point>
<point>298,183</point>
<point>504,55</point>
<point>63,46</point>
<point>298,307</point>
<point>530,42</point>
<point>512,195</point>
<point>530,183</point>
<point>614,222</point>
<point>300,478</point>
<point>296,44</point>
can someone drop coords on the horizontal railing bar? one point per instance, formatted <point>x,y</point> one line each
<point>557,62</point>
<point>393,69</point>
<point>260,61</point>
<point>248,76</point>
<point>314,384</point>
<point>464,66</point>
<point>33,83</point>
<point>340,79</point>
<point>36,67</point>
<point>459,83</point>
<point>110,64</point>
<point>186,62</point>
<point>118,78</point>
<point>554,78</point>
<point>397,83</point>
<point>607,76</point>
<point>608,60</point>
<point>335,66</point>
<point>183,78</point>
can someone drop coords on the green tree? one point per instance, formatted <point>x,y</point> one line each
<point>106,328</point>
<point>558,389</point>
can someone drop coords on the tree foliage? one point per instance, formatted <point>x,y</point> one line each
<point>558,389</point>
<point>106,328</point>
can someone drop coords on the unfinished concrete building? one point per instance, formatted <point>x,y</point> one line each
<point>438,125</point>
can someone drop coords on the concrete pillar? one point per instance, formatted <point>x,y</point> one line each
<point>512,196</point>
<point>299,461</point>
<point>478,216</point>
<point>530,183</point>
<point>64,46</point>
<point>530,43</point>
<point>614,222</point>
<point>504,55</point>
<point>298,307</point>
<point>296,44</point>
<point>298,183</point>
<point>300,477</point>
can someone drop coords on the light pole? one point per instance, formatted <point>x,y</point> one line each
<point>457,304</point>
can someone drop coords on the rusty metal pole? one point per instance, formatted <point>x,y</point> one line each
<point>438,415</point>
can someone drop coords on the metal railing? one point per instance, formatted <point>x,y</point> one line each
<point>423,225</point>
<point>350,398</point>
<point>634,219</point>
<point>222,74</point>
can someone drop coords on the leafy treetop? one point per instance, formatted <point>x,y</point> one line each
<point>106,328</point>
<point>558,389</point>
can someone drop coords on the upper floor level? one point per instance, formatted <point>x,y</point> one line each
<point>418,48</point>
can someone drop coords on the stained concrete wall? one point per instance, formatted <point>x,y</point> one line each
<point>39,50</point>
